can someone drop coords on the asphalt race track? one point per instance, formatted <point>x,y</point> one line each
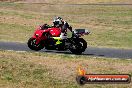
<point>90,51</point>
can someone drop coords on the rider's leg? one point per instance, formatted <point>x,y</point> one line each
<point>63,35</point>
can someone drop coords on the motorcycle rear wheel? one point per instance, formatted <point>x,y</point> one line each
<point>79,46</point>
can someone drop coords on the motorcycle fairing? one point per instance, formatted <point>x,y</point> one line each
<point>38,35</point>
<point>55,32</point>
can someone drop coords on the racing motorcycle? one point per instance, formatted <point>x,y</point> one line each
<point>49,39</point>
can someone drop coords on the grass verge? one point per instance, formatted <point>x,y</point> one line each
<point>42,70</point>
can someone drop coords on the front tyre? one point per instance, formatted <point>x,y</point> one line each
<point>78,46</point>
<point>33,46</point>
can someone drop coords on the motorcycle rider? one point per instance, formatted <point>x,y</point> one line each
<point>59,22</point>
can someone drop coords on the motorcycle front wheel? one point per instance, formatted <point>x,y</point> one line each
<point>33,46</point>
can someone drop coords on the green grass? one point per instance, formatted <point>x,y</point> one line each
<point>110,26</point>
<point>73,1</point>
<point>14,13</point>
<point>14,32</point>
<point>45,70</point>
<point>15,72</point>
<point>18,73</point>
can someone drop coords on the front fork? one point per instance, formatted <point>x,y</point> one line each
<point>39,39</point>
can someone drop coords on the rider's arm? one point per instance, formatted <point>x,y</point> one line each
<point>70,28</point>
<point>66,25</point>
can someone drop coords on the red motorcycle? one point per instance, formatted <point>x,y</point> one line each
<point>49,39</point>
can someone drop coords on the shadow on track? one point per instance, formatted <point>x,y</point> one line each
<point>69,53</point>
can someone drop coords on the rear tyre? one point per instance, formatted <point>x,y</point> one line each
<point>33,46</point>
<point>78,46</point>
